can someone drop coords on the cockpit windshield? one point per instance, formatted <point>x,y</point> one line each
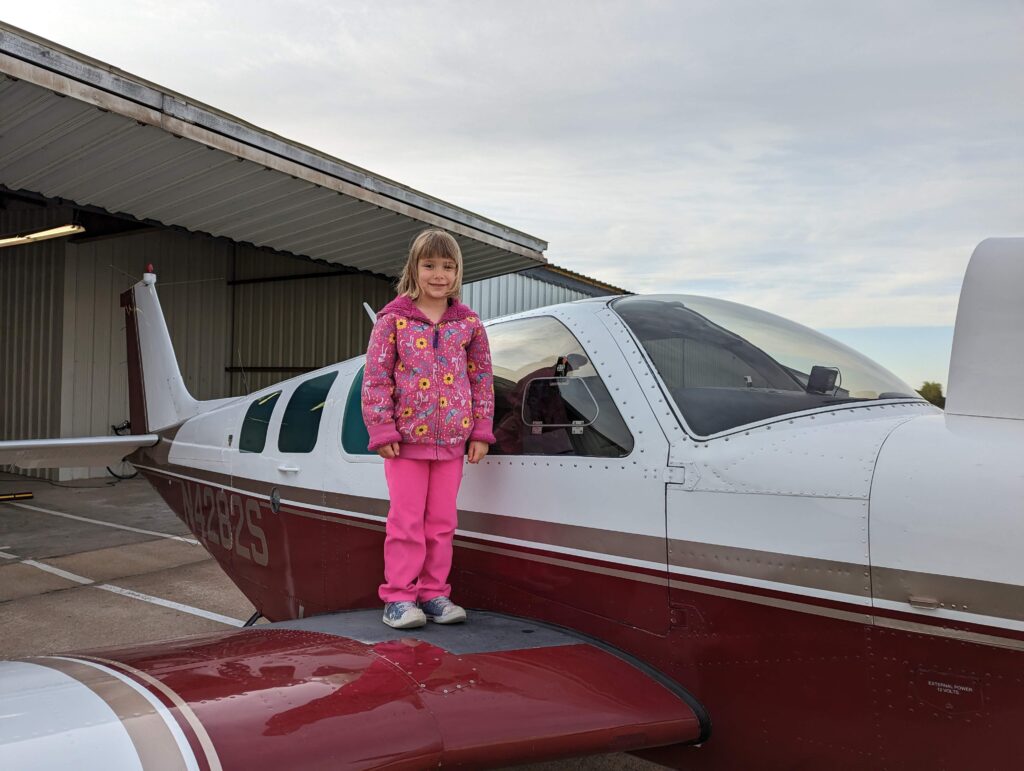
<point>727,365</point>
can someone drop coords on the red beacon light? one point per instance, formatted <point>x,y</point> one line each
<point>149,277</point>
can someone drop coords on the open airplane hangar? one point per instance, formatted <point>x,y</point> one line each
<point>266,250</point>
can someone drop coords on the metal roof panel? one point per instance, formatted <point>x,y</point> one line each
<point>80,130</point>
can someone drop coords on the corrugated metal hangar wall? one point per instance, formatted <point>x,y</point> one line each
<point>504,295</point>
<point>31,327</point>
<point>240,318</point>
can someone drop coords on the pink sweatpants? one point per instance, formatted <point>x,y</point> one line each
<point>420,526</point>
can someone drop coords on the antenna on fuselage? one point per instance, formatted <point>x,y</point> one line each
<point>370,313</point>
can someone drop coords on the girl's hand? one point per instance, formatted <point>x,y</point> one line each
<point>477,451</point>
<point>388,451</point>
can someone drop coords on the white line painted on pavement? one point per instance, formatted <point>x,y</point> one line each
<point>173,605</point>
<point>192,541</point>
<point>8,556</point>
<point>135,595</point>
<point>58,572</point>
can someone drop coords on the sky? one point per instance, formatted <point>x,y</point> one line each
<point>835,163</point>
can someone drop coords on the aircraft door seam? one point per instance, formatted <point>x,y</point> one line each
<point>874,469</point>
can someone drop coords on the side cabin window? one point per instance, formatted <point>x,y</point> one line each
<point>548,397</point>
<point>354,436</point>
<point>301,422</point>
<point>253,437</point>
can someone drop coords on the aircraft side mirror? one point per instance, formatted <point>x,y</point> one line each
<point>823,380</point>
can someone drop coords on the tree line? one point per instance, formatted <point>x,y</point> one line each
<point>932,392</point>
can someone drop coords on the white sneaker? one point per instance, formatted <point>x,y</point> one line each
<point>441,610</point>
<point>403,615</point>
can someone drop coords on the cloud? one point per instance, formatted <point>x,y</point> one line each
<point>817,160</point>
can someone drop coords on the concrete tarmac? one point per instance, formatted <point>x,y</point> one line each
<point>132,574</point>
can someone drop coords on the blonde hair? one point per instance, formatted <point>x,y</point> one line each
<point>432,243</point>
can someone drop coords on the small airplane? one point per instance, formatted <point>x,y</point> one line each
<point>705,534</point>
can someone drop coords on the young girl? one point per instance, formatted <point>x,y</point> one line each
<point>426,391</point>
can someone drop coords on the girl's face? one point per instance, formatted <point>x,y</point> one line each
<point>436,277</point>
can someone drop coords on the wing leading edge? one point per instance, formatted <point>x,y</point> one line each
<point>71,453</point>
<point>495,692</point>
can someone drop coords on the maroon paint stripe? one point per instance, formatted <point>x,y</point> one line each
<point>198,751</point>
<point>806,599</point>
<point>541,552</point>
<point>945,623</point>
<point>725,585</point>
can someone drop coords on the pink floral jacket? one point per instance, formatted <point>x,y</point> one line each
<point>428,385</point>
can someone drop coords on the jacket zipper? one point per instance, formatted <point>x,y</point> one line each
<point>437,395</point>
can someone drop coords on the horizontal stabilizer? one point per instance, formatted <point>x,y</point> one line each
<point>72,453</point>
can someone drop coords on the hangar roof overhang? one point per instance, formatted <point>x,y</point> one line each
<point>78,129</point>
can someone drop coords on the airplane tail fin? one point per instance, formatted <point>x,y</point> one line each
<point>157,394</point>
<point>986,368</point>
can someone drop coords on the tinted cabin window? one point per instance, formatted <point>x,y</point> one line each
<point>253,437</point>
<point>354,436</point>
<point>301,422</point>
<point>548,397</point>
<point>727,365</point>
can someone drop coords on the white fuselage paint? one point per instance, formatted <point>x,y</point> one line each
<point>796,491</point>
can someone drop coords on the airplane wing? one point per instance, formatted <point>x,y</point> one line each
<point>343,690</point>
<point>83,451</point>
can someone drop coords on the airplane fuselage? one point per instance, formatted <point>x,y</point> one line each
<point>771,568</point>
